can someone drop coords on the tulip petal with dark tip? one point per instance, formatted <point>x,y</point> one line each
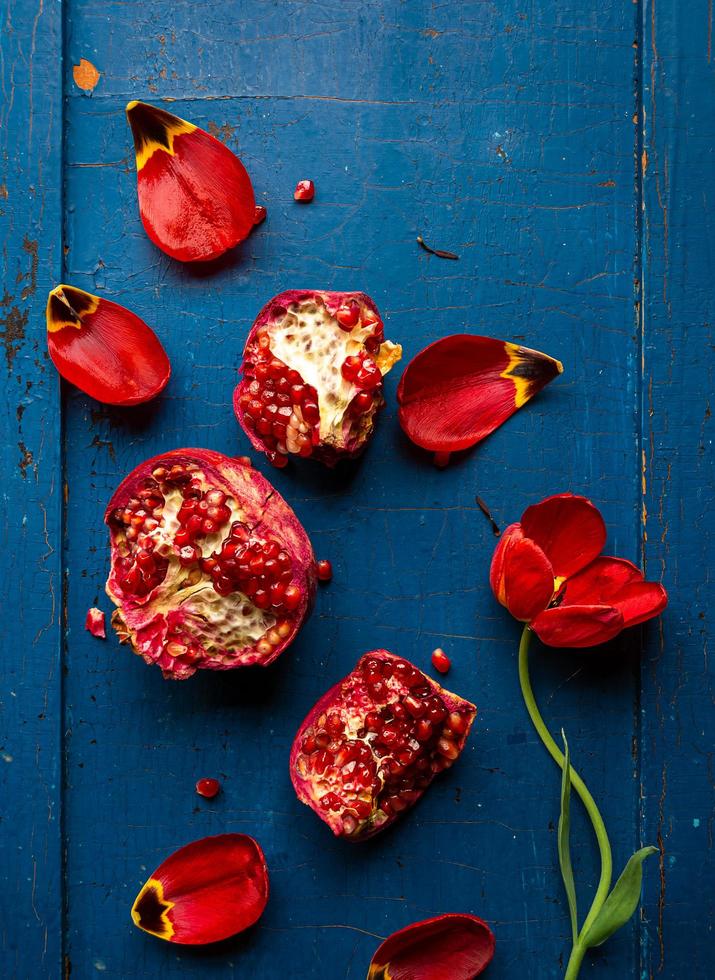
<point>458,390</point>
<point>104,349</point>
<point>547,571</point>
<point>196,199</point>
<point>448,947</point>
<point>206,891</point>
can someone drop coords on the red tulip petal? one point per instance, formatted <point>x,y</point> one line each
<point>619,583</point>
<point>449,947</point>
<point>103,348</point>
<point>578,626</point>
<point>195,198</point>
<point>206,891</point>
<point>521,575</point>
<point>568,529</point>
<point>459,389</point>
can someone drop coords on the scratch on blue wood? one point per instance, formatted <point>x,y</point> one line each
<point>505,132</point>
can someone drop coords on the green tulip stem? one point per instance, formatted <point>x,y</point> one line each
<point>599,828</point>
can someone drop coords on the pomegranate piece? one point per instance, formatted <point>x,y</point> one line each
<point>325,570</point>
<point>312,375</point>
<point>94,623</point>
<point>211,569</point>
<point>208,788</point>
<point>458,390</point>
<point>440,661</point>
<point>205,892</point>
<point>304,191</point>
<point>259,215</point>
<point>104,349</point>
<point>448,947</point>
<point>196,200</point>
<point>372,745</point>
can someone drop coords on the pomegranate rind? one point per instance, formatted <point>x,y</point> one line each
<point>352,434</point>
<point>205,892</point>
<point>104,349</point>
<point>196,199</point>
<point>145,621</point>
<point>455,946</point>
<point>339,696</point>
<point>94,623</point>
<point>461,388</point>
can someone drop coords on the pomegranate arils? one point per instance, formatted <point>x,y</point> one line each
<point>307,361</point>
<point>259,215</point>
<point>440,661</point>
<point>304,191</point>
<point>210,567</point>
<point>208,788</point>
<point>373,744</point>
<point>325,570</point>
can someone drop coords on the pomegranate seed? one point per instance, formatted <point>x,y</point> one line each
<point>259,215</point>
<point>441,460</point>
<point>362,402</point>
<point>457,722</point>
<point>208,788</point>
<point>440,661</point>
<point>351,367</point>
<point>292,597</point>
<point>325,570</point>
<point>447,748</point>
<point>304,191</point>
<point>423,730</point>
<point>348,315</point>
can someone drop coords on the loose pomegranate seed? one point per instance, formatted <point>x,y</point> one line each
<point>325,570</point>
<point>441,460</point>
<point>259,215</point>
<point>440,661</point>
<point>208,788</point>
<point>304,191</point>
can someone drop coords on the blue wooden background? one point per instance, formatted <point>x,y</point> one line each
<point>565,151</point>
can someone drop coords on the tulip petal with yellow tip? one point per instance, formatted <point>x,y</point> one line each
<point>103,348</point>
<point>196,199</point>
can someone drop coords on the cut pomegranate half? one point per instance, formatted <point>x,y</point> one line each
<point>104,349</point>
<point>196,199</point>
<point>312,375</point>
<point>210,567</point>
<point>455,946</point>
<point>205,892</point>
<point>372,745</point>
<point>458,390</point>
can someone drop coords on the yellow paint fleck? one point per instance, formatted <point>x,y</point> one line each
<point>85,75</point>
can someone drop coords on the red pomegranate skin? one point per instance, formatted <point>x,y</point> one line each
<point>190,599</point>
<point>374,742</point>
<point>313,366</point>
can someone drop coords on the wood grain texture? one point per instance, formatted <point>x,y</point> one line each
<point>30,502</point>
<point>511,134</point>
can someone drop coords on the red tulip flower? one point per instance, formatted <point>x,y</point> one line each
<point>549,572</point>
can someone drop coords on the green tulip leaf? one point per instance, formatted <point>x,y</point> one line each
<point>622,902</point>
<point>564,842</point>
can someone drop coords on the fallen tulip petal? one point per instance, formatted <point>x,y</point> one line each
<point>568,529</point>
<point>205,892</point>
<point>461,388</point>
<point>448,947</point>
<point>578,626</point>
<point>94,623</point>
<point>521,575</point>
<point>103,348</point>
<point>196,199</point>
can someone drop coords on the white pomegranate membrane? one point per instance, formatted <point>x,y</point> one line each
<point>372,745</point>
<point>312,375</point>
<point>210,567</point>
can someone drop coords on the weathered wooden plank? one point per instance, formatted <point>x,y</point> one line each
<point>30,502</point>
<point>505,134</point>
<point>678,166</point>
